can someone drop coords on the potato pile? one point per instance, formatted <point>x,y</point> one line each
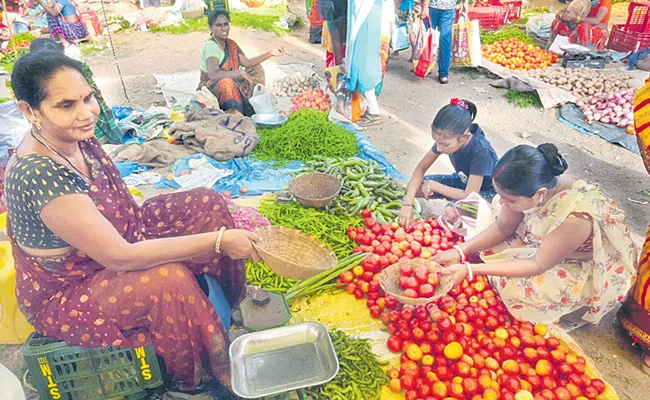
<point>292,85</point>
<point>584,82</point>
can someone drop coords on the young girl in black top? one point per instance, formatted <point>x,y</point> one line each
<point>470,153</point>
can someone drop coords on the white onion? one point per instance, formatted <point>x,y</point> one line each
<point>607,111</point>
<point>624,122</point>
<point>597,117</point>
<point>605,120</point>
<point>629,116</point>
<point>619,114</point>
<point>580,103</point>
<point>618,108</point>
<point>615,120</point>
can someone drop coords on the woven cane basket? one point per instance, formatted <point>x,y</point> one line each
<point>315,190</point>
<point>389,282</point>
<point>293,254</point>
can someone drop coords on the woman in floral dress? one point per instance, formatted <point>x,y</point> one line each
<point>557,246</point>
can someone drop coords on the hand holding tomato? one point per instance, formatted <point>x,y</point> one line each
<point>405,216</point>
<point>447,257</point>
<point>457,271</point>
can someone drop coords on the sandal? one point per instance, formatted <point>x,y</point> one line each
<point>444,80</point>
<point>370,120</point>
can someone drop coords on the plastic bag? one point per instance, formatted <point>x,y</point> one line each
<point>262,101</point>
<point>427,59</point>
<point>400,38</point>
<point>465,216</point>
<point>466,45</point>
<point>351,105</point>
<point>418,32</point>
<point>540,25</point>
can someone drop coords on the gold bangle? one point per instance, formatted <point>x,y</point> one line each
<point>217,244</point>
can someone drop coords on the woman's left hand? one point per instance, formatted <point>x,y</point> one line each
<point>457,271</point>
<point>277,52</point>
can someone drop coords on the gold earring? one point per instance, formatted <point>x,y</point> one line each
<point>37,125</point>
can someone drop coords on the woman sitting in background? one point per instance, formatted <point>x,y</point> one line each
<point>590,31</point>
<point>226,71</point>
<point>557,246</point>
<point>64,23</point>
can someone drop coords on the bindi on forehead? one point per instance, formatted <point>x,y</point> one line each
<point>67,85</point>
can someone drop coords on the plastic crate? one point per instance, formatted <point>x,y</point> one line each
<point>62,372</point>
<point>514,9</point>
<point>91,17</point>
<point>490,18</point>
<point>638,17</point>
<point>623,40</point>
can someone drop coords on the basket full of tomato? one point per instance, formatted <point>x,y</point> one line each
<point>417,281</point>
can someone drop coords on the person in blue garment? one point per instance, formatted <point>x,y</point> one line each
<point>442,14</point>
<point>370,24</point>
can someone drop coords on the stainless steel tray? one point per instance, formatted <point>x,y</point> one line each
<point>283,359</point>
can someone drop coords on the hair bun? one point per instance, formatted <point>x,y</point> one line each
<point>554,159</point>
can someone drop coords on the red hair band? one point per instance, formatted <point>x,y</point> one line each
<point>460,103</point>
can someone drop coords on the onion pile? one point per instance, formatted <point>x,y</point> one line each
<point>292,85</point>
<point>611,108</point>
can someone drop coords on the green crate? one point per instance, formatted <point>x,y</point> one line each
<point>62,372</point>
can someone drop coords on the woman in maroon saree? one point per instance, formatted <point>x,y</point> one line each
<point>102,270</point>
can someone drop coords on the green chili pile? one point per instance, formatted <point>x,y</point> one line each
<point>364,185</point>
<point>327,228</point>
<point>308,133</point>
<point>488,37</point>
<point>259,274</point>
<point>360,375</point>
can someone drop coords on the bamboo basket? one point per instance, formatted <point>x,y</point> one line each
<point>315,190</point>
<point>293,254</point>
<point>389,282</point>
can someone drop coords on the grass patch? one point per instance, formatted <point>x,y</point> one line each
<point>88,49</point>
<point>265,22</point>
<point>523,99</point>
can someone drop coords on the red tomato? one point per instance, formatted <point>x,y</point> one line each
<point>394,344</point>
<point>408,382</point>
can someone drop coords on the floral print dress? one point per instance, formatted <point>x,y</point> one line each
<point>600,284</point>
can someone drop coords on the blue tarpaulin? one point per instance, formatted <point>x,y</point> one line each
<point>262,177</point>
<point>571,115</point>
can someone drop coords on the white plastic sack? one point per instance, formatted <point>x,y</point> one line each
<point>540,25</point>
<point>400,39</point>
<point>262,101</point>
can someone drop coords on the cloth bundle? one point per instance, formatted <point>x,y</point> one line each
<point>220,136</point>
<point>157,153</point>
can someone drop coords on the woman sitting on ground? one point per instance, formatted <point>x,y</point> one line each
<point>590,31</point>
<point>63,21</point>
<point>557,245</point>
<point>93,267</point>
<point>226,71</point>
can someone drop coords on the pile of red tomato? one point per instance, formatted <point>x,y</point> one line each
<point>519,56</point>
<point>390,243</point>
<point>417,281</point>
<point>314,99</point>
<point>465,345</point>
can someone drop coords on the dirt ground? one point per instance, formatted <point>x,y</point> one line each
<point>409,105</point>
